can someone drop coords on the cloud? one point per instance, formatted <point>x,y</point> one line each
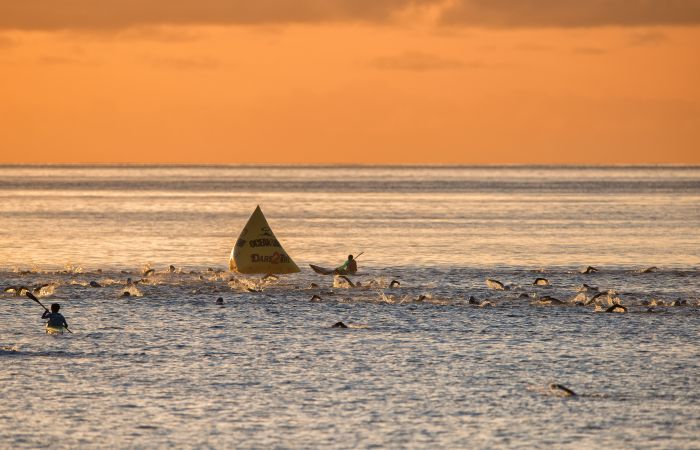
<point>120,14</point>
<point>572,13</point>
<point>647,38</point>
<point>532,47</point>
<point>7,41</point>
<point>179,63</point>
<point>416,62</point>
<point>55,60</point>
<point>589,51</point>
<point>163,35</point>
<point>106,14</point>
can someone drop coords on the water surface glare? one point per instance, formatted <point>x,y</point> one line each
<point>420,366</point>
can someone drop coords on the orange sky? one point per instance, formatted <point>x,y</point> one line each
<point>341,81</point>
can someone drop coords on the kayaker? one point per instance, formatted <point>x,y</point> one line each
<point>350,266</point>
<point>56,319</point>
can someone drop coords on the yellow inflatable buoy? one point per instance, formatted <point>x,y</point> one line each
<point>257,250</point>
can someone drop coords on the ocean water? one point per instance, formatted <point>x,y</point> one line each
<point>420,366</point>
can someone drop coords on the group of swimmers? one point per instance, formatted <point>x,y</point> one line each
<point>57,321</point>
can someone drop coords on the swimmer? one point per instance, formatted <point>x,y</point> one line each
<point>394,283</point>
<point>36,290</point>
<point>595,298</point>
<point>339,325</point>
<point>541,282</point>
<point>560,390</point>
<point>18,291</point>
<point>347,279</point>
<point>220,301</point>
<point>495,284</point>
<point>589,269</point>
<point>547,300</point>
<point>679,302</point>
<point>585,288</point>
<point>616,308</point>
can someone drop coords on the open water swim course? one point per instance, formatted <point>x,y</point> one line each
<point>418,367</point>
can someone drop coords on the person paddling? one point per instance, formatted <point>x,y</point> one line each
<point>56,319</point>
<point>348,267</point>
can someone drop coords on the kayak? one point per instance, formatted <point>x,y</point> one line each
<point>321,270</point>
<point>326,271</point>
<point>54,330</point>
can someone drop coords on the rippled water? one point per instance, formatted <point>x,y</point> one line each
<point>419,367</point>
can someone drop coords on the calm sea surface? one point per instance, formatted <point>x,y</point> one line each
<point>419,366</point>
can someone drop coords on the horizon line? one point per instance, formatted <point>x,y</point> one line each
<point>367,165</point>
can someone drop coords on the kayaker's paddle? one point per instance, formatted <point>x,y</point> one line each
<point>30,295</point>
<point>33,297</point>
<point>358,255</point>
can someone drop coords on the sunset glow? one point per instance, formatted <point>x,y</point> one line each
<point>350,82</point>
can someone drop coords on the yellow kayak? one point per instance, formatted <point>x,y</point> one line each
<point>54,330</point>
